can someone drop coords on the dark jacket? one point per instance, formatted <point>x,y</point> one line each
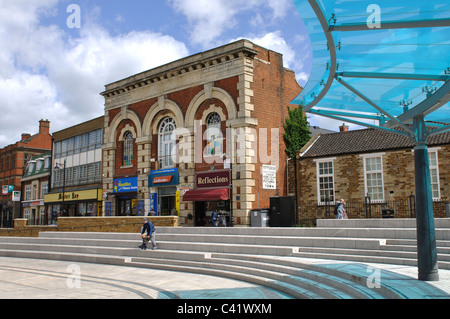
<point>148,228</point>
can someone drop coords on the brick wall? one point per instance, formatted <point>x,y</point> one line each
<point>249,91</point>
<point>123,224</point>
<point>274,87</point>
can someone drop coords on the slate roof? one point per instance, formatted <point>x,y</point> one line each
<point>32,170</point>
<point>363,141</point>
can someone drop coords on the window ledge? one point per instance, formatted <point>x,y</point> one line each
<point>128,166</point>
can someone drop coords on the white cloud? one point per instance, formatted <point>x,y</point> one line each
<point>47,74</point>
<point>275,41</point>
<point>279,7</point>
<point>210,19</point>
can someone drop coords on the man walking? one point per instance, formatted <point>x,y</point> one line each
<point>148,234</point>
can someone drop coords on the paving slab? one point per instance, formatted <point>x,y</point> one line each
<point>23,278</point>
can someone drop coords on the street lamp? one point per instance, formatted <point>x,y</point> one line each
<point>62,166</point>
<point>230,160</point>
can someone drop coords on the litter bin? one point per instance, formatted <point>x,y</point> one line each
<point>259,217</point>
<point>387,213</point>
<point>447,210</point>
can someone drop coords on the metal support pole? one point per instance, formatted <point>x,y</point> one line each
<point>231,177</point>
<point>426,236</point>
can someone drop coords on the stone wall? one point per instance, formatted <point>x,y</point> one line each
<point>348,175</point>
<point>120,224</point>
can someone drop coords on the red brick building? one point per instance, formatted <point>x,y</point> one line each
<point>35,184</point>
<point>168,135</point>
<point>13,160</point>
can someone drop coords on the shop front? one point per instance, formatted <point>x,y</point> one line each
<point>125,191</point>
<point>81,203</point>
<point>163,186</point>
<point>212,192</point>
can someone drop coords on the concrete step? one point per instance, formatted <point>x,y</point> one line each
<point>250,232</point>
<point>129,240</point>
<point>413,242</point>
<point>353,276</point>
<point>335,232</point>
<point>379,223</point>
<point>336,286</point>
<point>206,257</point>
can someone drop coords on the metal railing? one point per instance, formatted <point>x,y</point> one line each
<point>309,212</point>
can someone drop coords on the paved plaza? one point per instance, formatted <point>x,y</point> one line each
<point>22,278</point>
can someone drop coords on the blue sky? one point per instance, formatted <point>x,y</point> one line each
<point>49,70</point>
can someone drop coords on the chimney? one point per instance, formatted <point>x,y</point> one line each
<point>25,136</point>
<point>343,128</point>
<point>44,126</point>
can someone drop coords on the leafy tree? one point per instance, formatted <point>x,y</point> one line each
<point>296,131</point>
<point>296,135</point>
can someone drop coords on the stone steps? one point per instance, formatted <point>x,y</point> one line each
<point>279,258</point>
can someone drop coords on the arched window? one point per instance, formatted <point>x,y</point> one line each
<point>167,141</point>
<point>128,149</point>
<point>214,137</point>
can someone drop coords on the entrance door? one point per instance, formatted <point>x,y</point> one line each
<point>200,214</point>
<point>32,220</point>
<point>166,200</point>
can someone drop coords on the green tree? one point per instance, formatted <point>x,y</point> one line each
<point>296,135</point>
<point>296,131</point>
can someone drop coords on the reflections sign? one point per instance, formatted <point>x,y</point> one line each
<point>125,185</point>
<point>212,179</point>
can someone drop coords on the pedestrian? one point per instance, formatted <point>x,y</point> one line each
<point>54,217</point>
<point>222,220</point>
<point>341,210</point>
<point>214,216</point>
<point>148,234</point>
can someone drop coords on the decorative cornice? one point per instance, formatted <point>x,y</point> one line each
<point>200,61</point>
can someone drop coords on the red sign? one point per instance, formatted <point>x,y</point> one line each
<point>212,179</point>
<point>162,179</point>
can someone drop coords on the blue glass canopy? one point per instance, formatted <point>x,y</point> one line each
<point>379,63</point>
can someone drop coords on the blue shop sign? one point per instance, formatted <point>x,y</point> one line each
<point>163,177</point>
<point>125,185</point>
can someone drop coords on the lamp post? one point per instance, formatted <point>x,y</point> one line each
<point>230,159</point>
<point>58,166</point>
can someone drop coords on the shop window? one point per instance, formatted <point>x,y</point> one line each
<point>214,137</point>
<point>167,141</point>
<point>128,149</point>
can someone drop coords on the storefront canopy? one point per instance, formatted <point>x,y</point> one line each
<point>205,195</point>
<point>379,64</point>
<point>385,65</point>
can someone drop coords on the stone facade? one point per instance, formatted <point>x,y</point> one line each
<point>349,174</point>
<point>244,84</point>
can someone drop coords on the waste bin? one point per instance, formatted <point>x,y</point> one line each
<point>447,209</point>
<point>259,217</point>
<point>282,211</point>
<point>387,213</point>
